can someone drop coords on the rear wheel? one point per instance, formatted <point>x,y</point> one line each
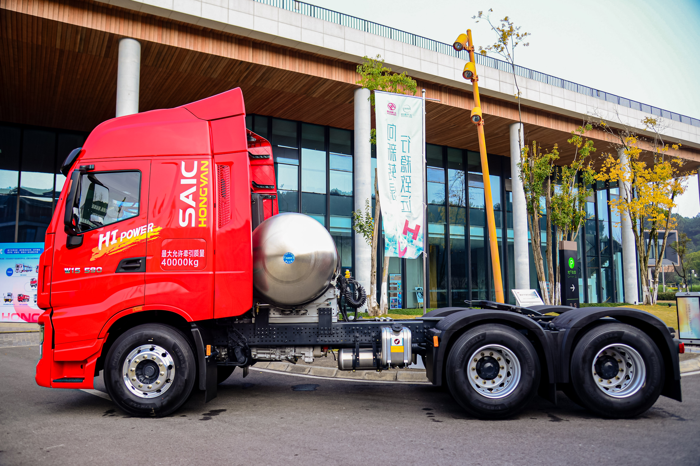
<point>493,371</point>
<point>617,371</point>
<point>150,370</point>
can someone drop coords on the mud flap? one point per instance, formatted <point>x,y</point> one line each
<point>207,369</point>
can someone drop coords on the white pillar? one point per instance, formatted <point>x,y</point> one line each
<point>521,259</point>
<point>363,183</point>
<point>629,250</point>
<point>128,73</point>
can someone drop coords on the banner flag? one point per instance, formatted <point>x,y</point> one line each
<point>400,172</point>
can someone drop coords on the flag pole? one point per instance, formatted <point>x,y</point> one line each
<point>425,217</point>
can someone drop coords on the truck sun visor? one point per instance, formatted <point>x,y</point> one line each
<point>70,160</point>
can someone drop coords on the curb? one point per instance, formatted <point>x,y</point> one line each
<point>690,365</point>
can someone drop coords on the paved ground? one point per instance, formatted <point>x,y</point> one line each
<point>269,418</point>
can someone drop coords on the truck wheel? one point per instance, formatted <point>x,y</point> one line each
<point>493,371</point>
<point>150,370</point>
<point>617,371</point>
<point>223,373</point>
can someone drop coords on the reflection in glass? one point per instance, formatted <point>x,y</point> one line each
<point>313,137</point>
<point>288,201</point>
<point>341,183</point>
<point>314,205</point>
<point>107,198</point>
<point>313,171</point>
<point>437,265</point>
<point>287,177</point>
<point>340,141</point>
<point>284,133</point>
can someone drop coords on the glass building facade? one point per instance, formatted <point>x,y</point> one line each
<point>30,182</point>
<point>314,170</point>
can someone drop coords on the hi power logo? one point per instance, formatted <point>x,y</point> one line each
<point>194,194</point>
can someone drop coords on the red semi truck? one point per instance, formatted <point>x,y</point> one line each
<point>167,265</point>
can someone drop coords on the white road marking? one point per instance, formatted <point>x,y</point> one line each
<point>96,393</point>
<point>683,374</point>
<point>55,446</point>
<point>270,371</point>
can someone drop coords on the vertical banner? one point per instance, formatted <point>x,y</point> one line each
<point>19,263</point>
<point>400,172</point>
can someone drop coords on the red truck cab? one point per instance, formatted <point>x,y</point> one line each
<point>148,228</point>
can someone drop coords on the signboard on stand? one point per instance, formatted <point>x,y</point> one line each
<point>688,308</point>
<point>568,266</point>
<point>527,298</point>
<point>19,281</point>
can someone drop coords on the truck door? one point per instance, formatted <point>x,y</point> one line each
<point>99,270</point>
<point>180,265</point>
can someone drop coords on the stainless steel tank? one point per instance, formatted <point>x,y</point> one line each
<point>294,259</point>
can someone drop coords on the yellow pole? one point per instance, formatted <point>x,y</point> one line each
<point>490,217</point>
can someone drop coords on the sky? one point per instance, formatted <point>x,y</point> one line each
<point>607,45</point>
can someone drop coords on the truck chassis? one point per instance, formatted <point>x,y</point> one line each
<point>493,358</point>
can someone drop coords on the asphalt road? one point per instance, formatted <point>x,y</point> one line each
<point>264,420</point>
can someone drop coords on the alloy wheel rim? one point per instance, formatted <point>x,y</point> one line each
<point>494,371</point>
<point>618,370</point>
<point>148,371</point>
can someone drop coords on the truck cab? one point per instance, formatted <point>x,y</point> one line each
<point>149,223</point>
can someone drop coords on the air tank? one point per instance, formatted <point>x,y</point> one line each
<point>294,259</point>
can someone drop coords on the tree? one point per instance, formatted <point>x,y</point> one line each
<point>681,248</point>
<point>508,38</point>
<point>559,193</point>
<point>376,77</point>
<point>649,182</point>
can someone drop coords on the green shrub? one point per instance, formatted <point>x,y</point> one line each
<point>667,296</point>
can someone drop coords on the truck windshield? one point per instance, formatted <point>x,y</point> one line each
<point>107,198</point>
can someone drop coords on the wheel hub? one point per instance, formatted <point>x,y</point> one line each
<point>148,371</point>
<point>618,370</point>
<point>494,371</point>
<point>487,368</point>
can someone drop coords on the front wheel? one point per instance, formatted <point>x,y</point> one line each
<point>150,370</point>
<point>493,371</point>
<point>617,371</point>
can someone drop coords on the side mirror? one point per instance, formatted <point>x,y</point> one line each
<point>70,223</point>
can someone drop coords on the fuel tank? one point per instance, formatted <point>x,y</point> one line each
<point>294,259</point>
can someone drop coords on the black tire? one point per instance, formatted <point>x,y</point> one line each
<point>171,351</point>
<point>517,393</point>
<point>603,400</point>
<point>223,373</point>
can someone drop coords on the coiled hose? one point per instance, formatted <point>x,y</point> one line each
<point>354,298</point>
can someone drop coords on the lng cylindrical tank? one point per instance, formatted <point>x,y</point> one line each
<point>294,259</point>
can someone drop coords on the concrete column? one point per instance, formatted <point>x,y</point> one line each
<point>521,261</point>
<point>363,183</point>
<point>629,250</point>
<point>128,73</point>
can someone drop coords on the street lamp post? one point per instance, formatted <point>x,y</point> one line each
<point>464,41</point>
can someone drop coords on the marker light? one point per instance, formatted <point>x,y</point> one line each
<point>460,43</point>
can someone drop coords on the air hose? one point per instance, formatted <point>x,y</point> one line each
<point>354,298</point>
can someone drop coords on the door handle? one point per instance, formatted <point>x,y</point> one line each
<point>131,265</point>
